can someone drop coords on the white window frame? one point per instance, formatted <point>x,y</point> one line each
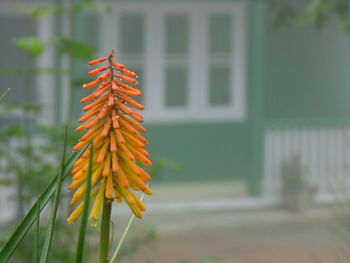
<point>198,103</point>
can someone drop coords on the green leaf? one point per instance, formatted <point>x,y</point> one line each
<point>85,214</point>
<point>99,8</point>
<point>80,82</point>
<point>3,95</point>
<point>36,234</point>
<point>53,71</point>
<point>33,46</point>
<point>90,6</point>
<point>8,70</point>
<point>316,12</point>
<point>48,239</point>
<point>7,107</point>
<point>29,219</point>
<point>75,48</point>
<point>283,16</point>
<point>14,131</point>
<point>36,12</point>
<point>5,182</point>
<point>35,108</point>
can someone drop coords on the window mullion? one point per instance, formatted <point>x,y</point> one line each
<point>154,56</point>
<point>43,81</point>
<point>198,87</point>
<point>109,29</point>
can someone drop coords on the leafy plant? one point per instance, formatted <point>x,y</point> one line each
<point>313,12</point>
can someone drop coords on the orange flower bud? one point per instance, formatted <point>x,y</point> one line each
<point>97,61</point>
<point>96,71</point>
<point>127,79</point>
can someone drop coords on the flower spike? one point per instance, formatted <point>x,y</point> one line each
<point>113,127</point>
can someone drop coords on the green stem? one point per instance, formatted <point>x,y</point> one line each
<point>104,234</point>
<point>27,141</point>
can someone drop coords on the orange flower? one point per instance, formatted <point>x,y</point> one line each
<point>113,128</point>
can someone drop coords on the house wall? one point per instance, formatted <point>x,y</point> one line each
<point>206,151</point>
<point>307,73</point>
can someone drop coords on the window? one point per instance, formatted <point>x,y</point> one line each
<point>22,26</point>
<point>190,57</point>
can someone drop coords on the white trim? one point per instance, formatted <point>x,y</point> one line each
<point>154,60</point>
<point>239,56</point>
<point>45,82</point>
<point>233,205</point>
<point>153,49</point>
<point>65,94</point>
<point>206,205</point>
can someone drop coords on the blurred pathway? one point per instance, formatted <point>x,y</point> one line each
<point>245,237</point>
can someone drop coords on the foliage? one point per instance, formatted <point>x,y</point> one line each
<point>292,175</point>
<point>75,48</point>
<point>312,12</point>
<point>162,164</point>
<point>17,155</point>
<point>29,150</point>
<point>32,46</point>
<point>36,11</point>
<point>296,191</point>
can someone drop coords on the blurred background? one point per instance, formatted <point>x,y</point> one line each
<point>247,111</point>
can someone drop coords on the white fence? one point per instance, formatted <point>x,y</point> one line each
<point>324,155</point>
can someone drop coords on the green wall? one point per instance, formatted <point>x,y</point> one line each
<point>206,152</point>
<point>307,73</point>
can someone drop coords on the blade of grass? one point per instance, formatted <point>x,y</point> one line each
<point>122,238</point>
<point>85,214</point>
<point>29,219</point>
<point>36,234</point>
<point>104,230</point>
<point>3,95</point>
<point>49,234</point>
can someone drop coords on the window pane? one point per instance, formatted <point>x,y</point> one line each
<point>219,86</point>
<point>93,25</point>
<point>11,57</point>
<point>176,34</point>
<point>176,86</point>
<point>132,34</point>
<point>220,33</point>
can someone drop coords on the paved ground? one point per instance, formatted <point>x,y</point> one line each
<point>266,236</point>
<point>194,191</point>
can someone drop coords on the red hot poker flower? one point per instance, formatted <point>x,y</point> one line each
<point>113,127</point>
